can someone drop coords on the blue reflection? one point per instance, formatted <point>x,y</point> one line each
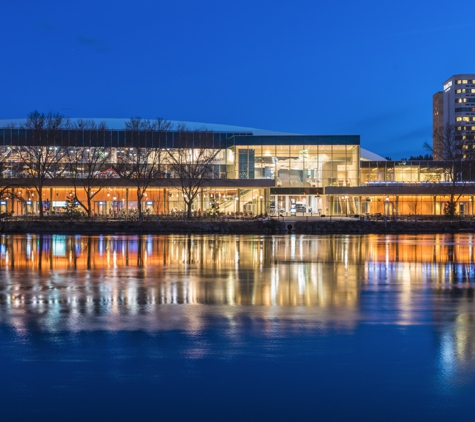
<point>237,328</point>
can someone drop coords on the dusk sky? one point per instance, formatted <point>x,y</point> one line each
<point>314,67</point>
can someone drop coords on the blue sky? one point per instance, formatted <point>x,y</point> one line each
<point>301,66</point>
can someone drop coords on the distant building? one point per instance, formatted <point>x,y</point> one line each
<point>455,105</point>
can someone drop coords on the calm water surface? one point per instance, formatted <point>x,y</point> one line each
<point>237,327</point>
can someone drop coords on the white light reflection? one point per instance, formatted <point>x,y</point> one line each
<point>102,277</point>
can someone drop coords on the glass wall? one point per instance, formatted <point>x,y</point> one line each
<point>118,202</point>
<point>299,165</point>
<point>397,206</point>
<point>401,171</point>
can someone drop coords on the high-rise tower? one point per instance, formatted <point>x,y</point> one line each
<point>455,105</point>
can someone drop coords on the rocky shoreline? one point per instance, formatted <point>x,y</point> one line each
<point>257,226</point>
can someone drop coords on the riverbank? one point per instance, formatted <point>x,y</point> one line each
<point>230,226</point>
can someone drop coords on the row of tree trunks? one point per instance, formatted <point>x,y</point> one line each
<point>91,168</point>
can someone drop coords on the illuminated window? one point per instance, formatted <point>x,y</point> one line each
<point>466,119</point>
<point>459,119</point>
<point>458,82</point>
<point>464,81</point>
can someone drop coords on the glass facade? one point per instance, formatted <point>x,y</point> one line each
<point>300,171</point>
<point>401,171</point>
<point>406,188</point>
<point>298,165</point>
<point>251,175</point>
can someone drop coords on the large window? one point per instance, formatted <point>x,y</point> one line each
<point>246,163</point>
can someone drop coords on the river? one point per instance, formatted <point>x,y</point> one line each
<point>217,328</point>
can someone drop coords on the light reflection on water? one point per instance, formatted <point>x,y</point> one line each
<point>254,297</point>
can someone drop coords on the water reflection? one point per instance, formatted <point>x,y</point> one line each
<point>272,283</point>
<point>285,271</point>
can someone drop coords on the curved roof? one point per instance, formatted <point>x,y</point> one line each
<point>370,156</point>
<point>119,123</point>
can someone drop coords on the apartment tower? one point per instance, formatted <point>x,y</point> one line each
<point>455,105</point>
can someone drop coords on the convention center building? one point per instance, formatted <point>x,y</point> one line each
<point>255,172</point>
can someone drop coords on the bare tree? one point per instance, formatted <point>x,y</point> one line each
<point>89,167</point>
<point>162,125</point>
<point>88,124</point>
<point>8,182</point>
<point>415,206</point>
<point>42,158</point>
<point>137,124</point>
<point>456,155</point>
<point>139,163</point>
<point>191,163</point>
